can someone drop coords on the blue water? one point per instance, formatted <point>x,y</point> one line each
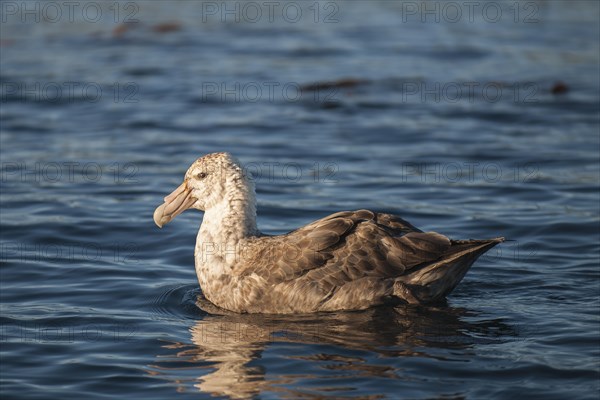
<point>473,127</point>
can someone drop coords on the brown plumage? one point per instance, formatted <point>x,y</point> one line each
<point>350,260</point>
<point>353,260</point>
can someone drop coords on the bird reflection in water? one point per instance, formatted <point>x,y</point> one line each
<point>224,345</point>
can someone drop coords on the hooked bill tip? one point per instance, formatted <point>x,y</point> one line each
<point>159,215</point>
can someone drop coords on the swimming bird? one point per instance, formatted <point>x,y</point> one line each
<point>350,260</point>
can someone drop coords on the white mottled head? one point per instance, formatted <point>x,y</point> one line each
<point>215,180</point>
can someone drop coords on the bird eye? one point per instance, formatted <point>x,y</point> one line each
<point>201,175</point>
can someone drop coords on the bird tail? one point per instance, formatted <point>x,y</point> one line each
<point>433,281</point>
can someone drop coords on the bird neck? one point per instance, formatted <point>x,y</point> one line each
<point>230,220</point>
<point>225,226</point>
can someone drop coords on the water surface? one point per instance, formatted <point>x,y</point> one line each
<point>460,127</point>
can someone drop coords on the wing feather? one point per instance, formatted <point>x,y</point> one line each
<point>342,248</point>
